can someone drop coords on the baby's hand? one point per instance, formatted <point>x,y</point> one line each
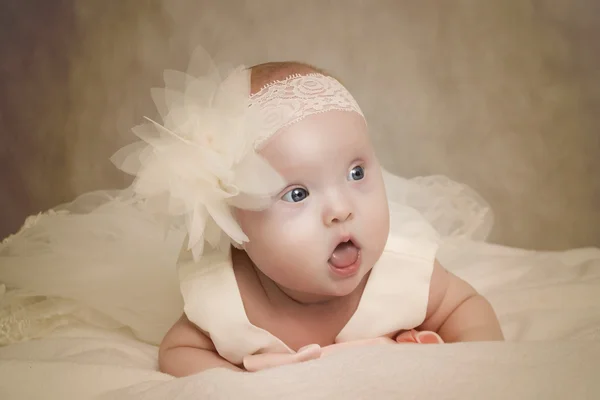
<point>423,337</point>
<point>412,336</point>
<point>258,362</point>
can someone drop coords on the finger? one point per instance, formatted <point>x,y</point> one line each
<point>407,337</point>
<point>258,362</point>
<point>428,337</point>
<point>310,352</point>
<point>383,340</point>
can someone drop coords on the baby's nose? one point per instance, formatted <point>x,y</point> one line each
<point>338,213</point>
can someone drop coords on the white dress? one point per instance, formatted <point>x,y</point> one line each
<point>104,260</point>
<point>395,296</point>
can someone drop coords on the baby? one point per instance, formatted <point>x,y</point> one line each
<point>329,263</point>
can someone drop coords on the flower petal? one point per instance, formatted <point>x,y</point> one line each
<point>197,225</point>
<point>257,181</point>
<point>197,250</point>
<point>201,160</point>
<point>213,233</point>
<point>221,213</point>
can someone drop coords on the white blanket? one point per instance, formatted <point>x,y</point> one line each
<point>120,368</point>
<point>548,304</point>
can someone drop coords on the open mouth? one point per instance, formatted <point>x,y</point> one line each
<point>345,255</point>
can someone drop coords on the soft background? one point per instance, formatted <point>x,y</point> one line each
<point>501,95</point>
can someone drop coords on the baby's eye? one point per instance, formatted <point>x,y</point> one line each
<point>356,174</point>
<point>295,195</point>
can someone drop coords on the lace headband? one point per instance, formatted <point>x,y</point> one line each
<point>203,160</point>
<point>285,102</point>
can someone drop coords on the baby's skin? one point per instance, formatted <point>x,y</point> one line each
<point>288,272</point>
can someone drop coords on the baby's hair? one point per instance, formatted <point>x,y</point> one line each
<point>263,74</point>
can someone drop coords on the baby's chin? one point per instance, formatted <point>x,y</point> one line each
<point>319,292</point>
<point>347,286</point>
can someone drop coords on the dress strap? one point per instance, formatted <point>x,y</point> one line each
<point>212,302</point>
<point>397,293</point>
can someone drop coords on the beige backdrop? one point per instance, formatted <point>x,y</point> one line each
<point>502,95</point>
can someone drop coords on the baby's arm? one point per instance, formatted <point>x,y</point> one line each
<point>457,312</point>
<point>185,350</point>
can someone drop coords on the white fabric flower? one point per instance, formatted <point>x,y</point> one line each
<point>201,161</point>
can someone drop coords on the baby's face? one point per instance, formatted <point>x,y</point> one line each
<point>335,192</point>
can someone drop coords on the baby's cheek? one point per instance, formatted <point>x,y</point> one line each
<point>279,244</point>
<point>378,229</point>
<point>379,217</point>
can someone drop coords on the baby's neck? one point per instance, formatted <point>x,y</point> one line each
<point>285,299</point>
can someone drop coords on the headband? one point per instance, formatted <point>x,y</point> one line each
<point>285,102</point>
<point>203,159</point>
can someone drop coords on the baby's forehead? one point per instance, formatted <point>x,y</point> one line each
<point>328,139</point>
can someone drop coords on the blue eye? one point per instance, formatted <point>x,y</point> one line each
<point>295,195</point>
<point>356,174</point>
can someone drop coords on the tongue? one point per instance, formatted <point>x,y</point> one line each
<point>344,255</point>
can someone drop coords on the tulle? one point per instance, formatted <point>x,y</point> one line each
<point>102,259</point>
<point>105,260</point>
<point>454,209</point>
<point>200,160</point>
